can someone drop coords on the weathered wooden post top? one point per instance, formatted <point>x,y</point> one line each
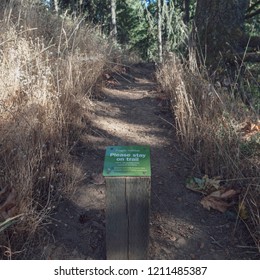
<point>127,172</point>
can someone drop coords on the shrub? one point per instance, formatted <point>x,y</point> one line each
<point>209,124</point>
<point>49,66</point>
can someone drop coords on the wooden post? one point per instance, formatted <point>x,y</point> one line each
<point>127,210</point>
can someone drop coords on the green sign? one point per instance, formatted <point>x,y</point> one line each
<point>127,161</point>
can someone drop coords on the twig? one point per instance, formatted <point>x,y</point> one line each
<point>216,242</point>
<point>238,217</point>
<point>236,179</point>
<point>246,247</point>
<point>98,133</point>
<point>252,235</point>
<point>167,122</point>
<point>30,29</point>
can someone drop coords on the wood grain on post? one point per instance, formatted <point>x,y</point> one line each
<point>127,172</point>
<point>138,199</point>
<point>116,219</point>
<point>127,217</point>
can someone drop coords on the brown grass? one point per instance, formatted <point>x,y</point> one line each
<point>49,66</point>
<point>209,125</point>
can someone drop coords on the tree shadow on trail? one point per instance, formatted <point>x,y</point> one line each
<point>179,227</point>
<point>79,233</point>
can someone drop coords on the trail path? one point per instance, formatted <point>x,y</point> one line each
<point>131,111</point>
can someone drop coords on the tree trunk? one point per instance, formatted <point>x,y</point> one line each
<point>186,4</point>
<point>113,20</point>
<point>220,28</point>
<point>223,43</point>
<point>54,5</point>
<point>159,26</point>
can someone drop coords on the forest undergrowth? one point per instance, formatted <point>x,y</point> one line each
<point>221,135</point>
<point>49,68</point>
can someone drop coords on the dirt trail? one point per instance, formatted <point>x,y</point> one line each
<point>130,111</point>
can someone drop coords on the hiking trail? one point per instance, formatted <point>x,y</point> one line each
<point>131,111</point>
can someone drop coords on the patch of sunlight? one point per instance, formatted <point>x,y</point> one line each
<point>89,196</point>
<point>135,133</point>
<point>126,94</point>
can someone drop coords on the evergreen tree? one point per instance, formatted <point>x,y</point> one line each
<point>159,30</point>
<point>133,28</point>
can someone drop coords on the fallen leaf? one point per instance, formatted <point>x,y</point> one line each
<point>229,194</point>
<point>216,194</point>
<point>211,182</point>
<point>209,202</point>
<point>250,127</point>
<point>242,211</point>
<point>204,185</point>
<point>246,128</point>
<point>195,184</point>
<point>200,182</point>
<point>224,194</point>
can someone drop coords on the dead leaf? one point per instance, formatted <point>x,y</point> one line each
<point>250,127</point>
<point>211,182</point>
<point>229,194</point>
<point>216,194</point>
<point>204,185</point>
<point>195,184</point>
<point>246,128</point>
<point>209,202</point>
<point>242,211</point>
<point>218,199</point>
<point>250,130</point>
<point>224,194</point>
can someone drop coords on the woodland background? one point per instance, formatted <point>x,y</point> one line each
<point>55,56</point>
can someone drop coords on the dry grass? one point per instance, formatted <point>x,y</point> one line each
<point>210,126</point>
<point>49,66</point>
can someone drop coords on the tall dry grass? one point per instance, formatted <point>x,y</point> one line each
<point>209,124</point>
<point>48,68</point>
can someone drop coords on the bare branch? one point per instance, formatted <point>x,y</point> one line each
<point>248,16</point>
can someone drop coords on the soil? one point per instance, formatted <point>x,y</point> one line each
<point>130,110</point>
